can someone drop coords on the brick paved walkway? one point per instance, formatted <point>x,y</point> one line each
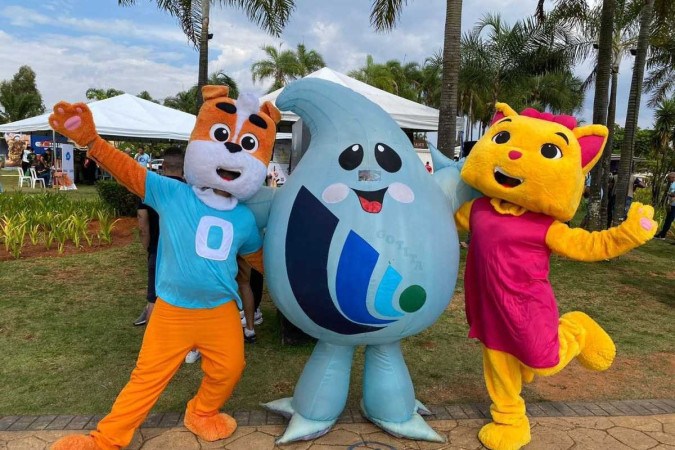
<point>628,424</point>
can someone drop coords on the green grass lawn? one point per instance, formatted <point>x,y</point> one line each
<point>68,345</point>
<point>9,179</point>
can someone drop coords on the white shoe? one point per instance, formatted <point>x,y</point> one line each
<point>192,356</point>
<point>257,318</point>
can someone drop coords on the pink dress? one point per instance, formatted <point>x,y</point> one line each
<point>510,304</point>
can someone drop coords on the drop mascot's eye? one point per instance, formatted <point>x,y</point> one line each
<point>351,157</point>
<point>551,151</point>
<point>387,158</point>
<point>249,143</point>
<point>220,132</point>
<point>502,137</point>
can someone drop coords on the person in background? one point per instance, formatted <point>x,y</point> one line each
<point>634,183</point>
<point>48,158</point>
<point>142,158</point>
<point>25,159</point>
<point>42,170</point>
<point>671,211</point>
<point>428,167</point>
<point>148,222</point>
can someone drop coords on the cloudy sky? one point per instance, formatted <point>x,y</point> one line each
<point>76,44</point>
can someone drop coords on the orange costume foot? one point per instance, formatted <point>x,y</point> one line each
<point>209,428</point>
<point>75,442</point>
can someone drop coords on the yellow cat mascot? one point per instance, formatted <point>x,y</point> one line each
<point>204,228</point>
<point>531,169</point>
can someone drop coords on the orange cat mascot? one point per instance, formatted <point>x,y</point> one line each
<point>531,169</point>
<point>204,228</point>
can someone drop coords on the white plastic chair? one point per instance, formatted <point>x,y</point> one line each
<point>34,179</point>
<point>23,177</point>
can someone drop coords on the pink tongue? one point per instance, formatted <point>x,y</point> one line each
<point>371,207</point>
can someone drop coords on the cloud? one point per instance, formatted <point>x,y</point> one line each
<point>24,17</point>
<point>66,67</point>
<point>142,48</point>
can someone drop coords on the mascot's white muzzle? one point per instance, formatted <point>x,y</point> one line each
<point>213,165</point>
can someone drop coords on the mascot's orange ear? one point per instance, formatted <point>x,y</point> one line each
<point>210,92</point>
<point>271,110</point>
<point>503,110</point>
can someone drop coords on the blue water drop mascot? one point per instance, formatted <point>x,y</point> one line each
<point>360,249</point>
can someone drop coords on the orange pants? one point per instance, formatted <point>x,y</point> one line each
<point>171,333</point>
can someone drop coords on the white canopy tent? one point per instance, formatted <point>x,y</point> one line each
<point>124,117</point>
<point>406,113</point>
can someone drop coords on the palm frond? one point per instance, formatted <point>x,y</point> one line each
<point>385,13</point>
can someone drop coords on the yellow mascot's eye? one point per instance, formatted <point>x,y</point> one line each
<point>502,137</point>
<point>551,151</point>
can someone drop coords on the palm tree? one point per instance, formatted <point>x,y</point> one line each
<point>220,78</point>
<point>280,66</point>
<point>377,75</point>
<point>626,162</point>
<point>661,65</point>
<point>430,83</point>
<point>186,101</point>
<point>447,123</point>
<point>384,15</point>
<point>308,61</point>
<point>102,94</point>
<point>664,145</point>
<point>193,15</point>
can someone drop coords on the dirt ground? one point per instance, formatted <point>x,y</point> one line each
<point>123,234</point>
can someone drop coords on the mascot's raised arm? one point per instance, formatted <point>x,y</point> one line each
<point>531,169</point>
<point>204,228</point>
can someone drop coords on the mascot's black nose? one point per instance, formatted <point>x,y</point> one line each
<point>232,147</point>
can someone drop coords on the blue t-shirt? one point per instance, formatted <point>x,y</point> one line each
<point>198,245</point>
<point>143,159</point>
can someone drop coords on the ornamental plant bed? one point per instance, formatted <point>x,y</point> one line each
<point>122,234</point>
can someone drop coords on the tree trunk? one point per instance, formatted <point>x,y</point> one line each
<point>626,163</point>
<point>600,101</point>
<point>447,123</point>
<point>607,155</point>
<point>203,52</point>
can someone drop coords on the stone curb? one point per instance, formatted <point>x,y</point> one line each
<point>352,415</point>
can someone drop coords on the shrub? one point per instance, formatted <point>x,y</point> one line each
<point>117,197</point>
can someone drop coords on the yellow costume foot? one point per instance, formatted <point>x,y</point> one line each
<point>211,428</point>
<point>75,442</point>
<point>599,350</point>
<point>498,436</point>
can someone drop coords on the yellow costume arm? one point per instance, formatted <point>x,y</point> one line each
<point>579,244</point>
<point>462,216</point>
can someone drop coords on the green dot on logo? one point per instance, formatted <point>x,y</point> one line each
<point>412,298</point>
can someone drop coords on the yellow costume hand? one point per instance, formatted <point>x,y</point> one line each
<point>639,222</point>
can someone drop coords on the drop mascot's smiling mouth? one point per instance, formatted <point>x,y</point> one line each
<point>227,175</point>
<point>505,180</point>
<point>371,201</point>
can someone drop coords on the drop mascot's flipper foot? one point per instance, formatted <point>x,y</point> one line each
<point>299,428</point>
<point>413,428</point>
